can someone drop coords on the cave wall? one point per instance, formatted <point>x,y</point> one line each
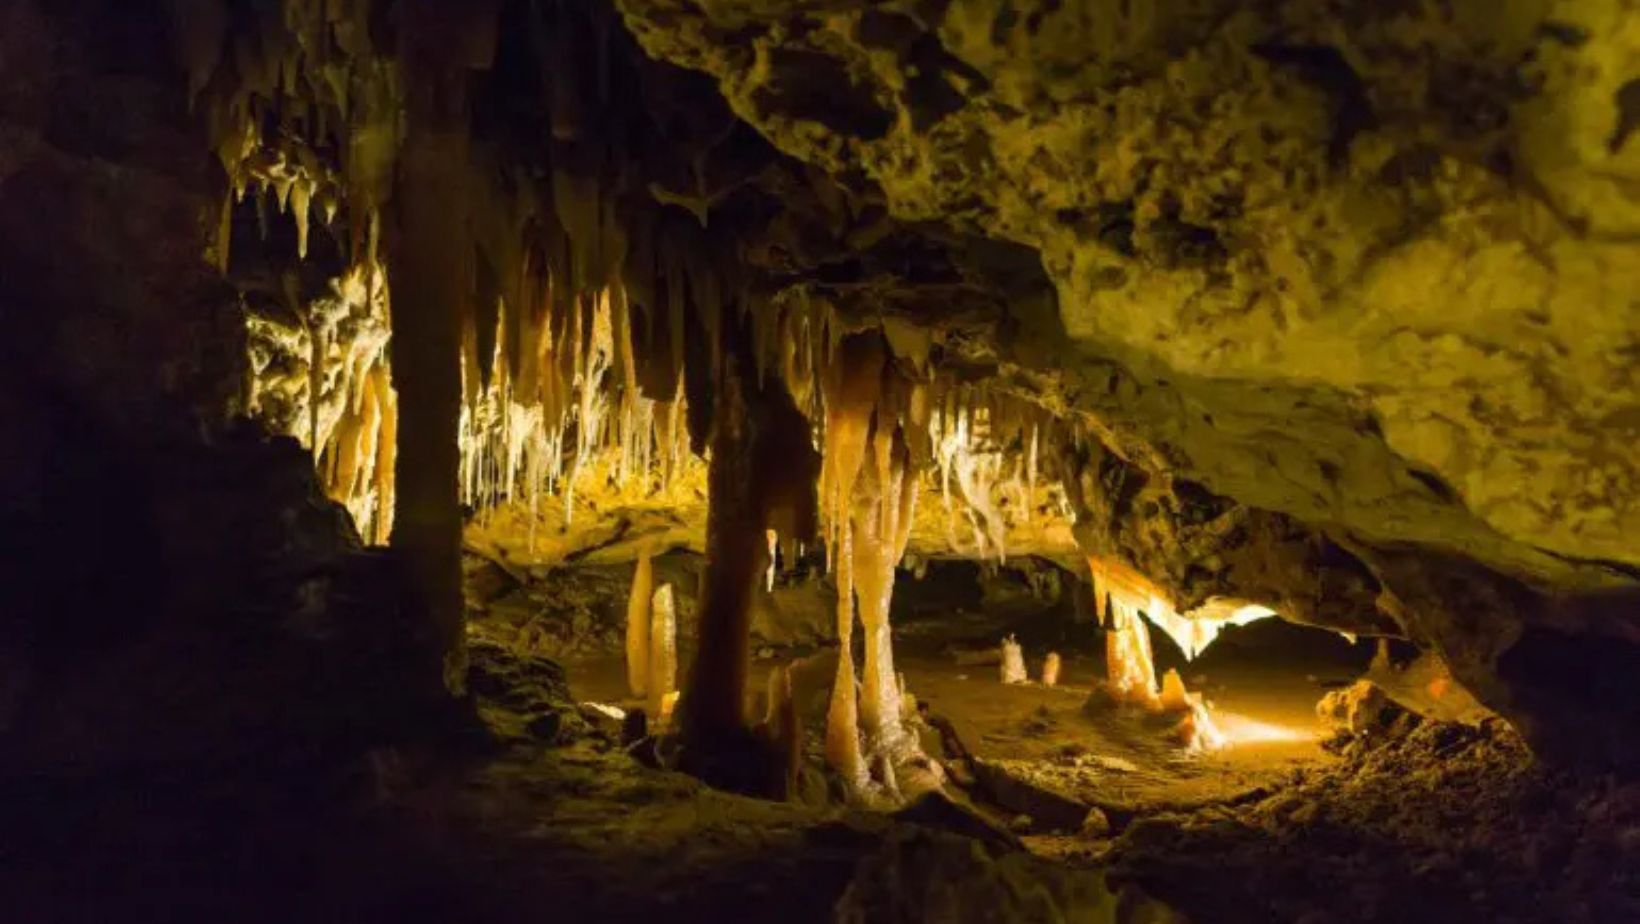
<point>1346,288</point>
<point>1349,286</point>
<point>173,582</point>
<point>1362,263</point>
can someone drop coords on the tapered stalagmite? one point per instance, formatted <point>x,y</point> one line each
<point>663,652</point>
<point>782,723</point>
<point>842,746</point>
<point>637,626</point>
<point>1050,669</point>
<point>1013,661</point>
<point>1130,669</point>
<point>774,547</point>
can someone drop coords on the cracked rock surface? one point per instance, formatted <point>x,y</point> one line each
<point>1366,273</point>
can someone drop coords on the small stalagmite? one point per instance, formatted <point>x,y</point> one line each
<point>1050,669</point>
<point>1013,661</point>
<point>663,653</point>
<point>774,558</point>
<point>638,619</point>
<point>1131,678</point>
<point>1130,671</point>
<point>782,725</point>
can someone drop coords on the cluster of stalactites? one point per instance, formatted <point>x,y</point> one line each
<point>301,107</point>
<point>326,381</point>
<point>304,115</point>
<point>984,449</point>
<point>307,116</point>
<point>571,410</point>
<point>987,449</point>
<point>1192,631</point>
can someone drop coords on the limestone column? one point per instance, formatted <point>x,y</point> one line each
<point>427,260</point>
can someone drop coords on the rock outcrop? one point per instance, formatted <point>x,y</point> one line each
<point>1346,284</point>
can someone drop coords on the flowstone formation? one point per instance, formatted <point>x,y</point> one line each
<point>1359,276</point>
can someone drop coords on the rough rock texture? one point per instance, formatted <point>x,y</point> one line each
<point>172,586</point>
<point>1201,545</point>
<point>1366,270</point>
<point>1390,239</point>
<point>923,876</point>
<point>1430,822</point>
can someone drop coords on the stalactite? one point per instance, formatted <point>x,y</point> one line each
<point>1192,631</point>
<point>1130,668</point>
<point>1130,665</point>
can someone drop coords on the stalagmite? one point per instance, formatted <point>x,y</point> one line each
<point>663,653</point>
<point>1013,661</point>
<point>1130,669</point>
<point>774,548</point>
<point>1050,669</point>
<point>782,723</point>
<point>638,609</point>
<point>842,744</point>
<point>1196,730</point>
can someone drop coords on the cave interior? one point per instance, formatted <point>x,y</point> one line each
<point>741,460</point>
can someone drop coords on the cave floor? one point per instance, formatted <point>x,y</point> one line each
<point>1123,762</point>
<point>1434,823</point>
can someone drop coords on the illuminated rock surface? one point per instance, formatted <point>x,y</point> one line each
<point>1353,302</point>
<point>341,337</point>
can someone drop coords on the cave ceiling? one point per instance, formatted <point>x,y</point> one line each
<point>1368,265</point>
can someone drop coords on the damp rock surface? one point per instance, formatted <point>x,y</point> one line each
<point>1434,821</point>
<point>1347,290</point>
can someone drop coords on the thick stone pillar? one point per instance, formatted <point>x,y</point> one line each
<point>428,264</point>
<point>736,552</point>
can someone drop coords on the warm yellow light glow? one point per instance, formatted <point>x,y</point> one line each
<point>606,710</point>
<point>1239,729</point>
<point>1130,667</point>
<point>1192,631</point>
